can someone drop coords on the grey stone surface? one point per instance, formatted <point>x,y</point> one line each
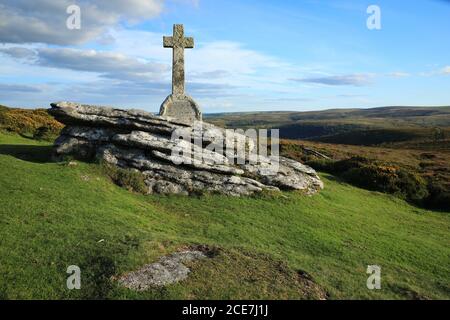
<point>181,108</point>
<point>169,269</point>
<point>142,141</point>
<point>76,114</point>
<point>178,43</point>
<point>72,113</point>
<point>178,105</point>
<point>166,179</point>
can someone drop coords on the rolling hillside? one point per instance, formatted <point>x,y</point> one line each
<point>279,246</point>
<point>348,126</point>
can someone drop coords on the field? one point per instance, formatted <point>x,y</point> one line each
<point>280,246</point>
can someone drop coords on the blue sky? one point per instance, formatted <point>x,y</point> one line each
<point>249,55</point>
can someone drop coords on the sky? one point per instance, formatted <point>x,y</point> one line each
<point>249,55</point>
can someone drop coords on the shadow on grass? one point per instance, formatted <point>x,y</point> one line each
<point>334,178</point>
<point>39,154</point>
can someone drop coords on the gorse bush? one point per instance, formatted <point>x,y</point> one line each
<point>30,123</point>
<point>372,175</point>
<point>389,180</point>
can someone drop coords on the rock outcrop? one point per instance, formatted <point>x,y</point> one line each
<point>144,141</point>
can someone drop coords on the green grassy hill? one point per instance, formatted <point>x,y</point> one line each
<point>53,215</point>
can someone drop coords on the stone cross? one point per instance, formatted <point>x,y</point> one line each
<point>178,105</point>
<point>178,42</point>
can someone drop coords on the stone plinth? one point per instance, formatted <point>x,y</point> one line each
<point>181,108</point>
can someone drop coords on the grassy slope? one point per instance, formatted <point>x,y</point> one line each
<point>52,215</point>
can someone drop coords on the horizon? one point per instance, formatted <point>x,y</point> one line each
<point>257,56</point>
<point>325,109</point>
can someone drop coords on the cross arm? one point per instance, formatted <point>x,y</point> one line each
<point>167,42</point>
<point>188,42</point>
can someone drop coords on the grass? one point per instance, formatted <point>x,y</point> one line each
<point>53,215</point>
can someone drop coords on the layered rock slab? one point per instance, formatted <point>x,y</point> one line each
<point>144,141</point>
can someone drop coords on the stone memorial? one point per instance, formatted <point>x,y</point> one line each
<point>178,105</point>
<point>144,142</point>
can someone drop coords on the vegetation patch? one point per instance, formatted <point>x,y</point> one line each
<point>422,178</point>
<point>130,179</point>
<point>35,123</point>
<point>376,176</point>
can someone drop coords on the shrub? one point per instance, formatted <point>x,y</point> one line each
<point>130,179</point>
<point>27,122</point>
<point>413,187</point>
<point>351,163</point>
<point>42,133</point>
<point>389,180</point>
<point>371,175</point>
<point>439,197</point>
<point>324,165</point>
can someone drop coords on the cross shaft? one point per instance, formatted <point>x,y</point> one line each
<point>178,43</point>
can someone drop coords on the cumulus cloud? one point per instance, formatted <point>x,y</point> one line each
<point>44,21</point>
<point>108,64</point>
<point>357,79</point>
<point>126,75</point>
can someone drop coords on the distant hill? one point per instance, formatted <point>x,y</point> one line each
<point>349,126</point>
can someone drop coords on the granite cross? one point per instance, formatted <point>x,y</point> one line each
<point>178,42</point>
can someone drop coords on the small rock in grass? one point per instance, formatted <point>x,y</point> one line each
<point>169,269</point>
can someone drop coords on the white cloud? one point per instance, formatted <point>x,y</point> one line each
<point>107,64</point>
<point>356,79</point>
<point>445,70</point>
<point>399,74</point>
<point>217,62</point>
<point>442,71</point>
<point>44,21</point>
<point>230,56</point>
